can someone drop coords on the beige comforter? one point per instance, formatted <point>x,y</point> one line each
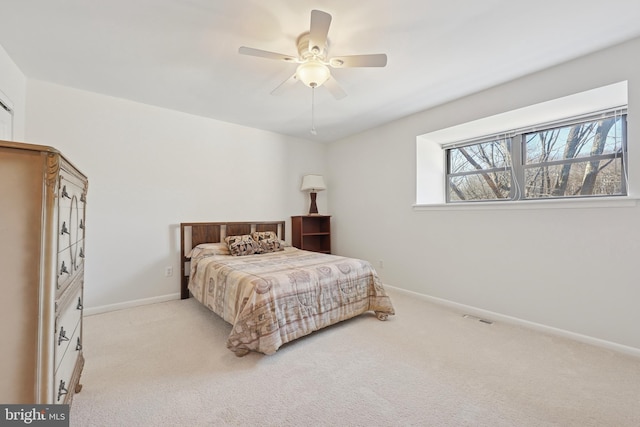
<point>271,299</point>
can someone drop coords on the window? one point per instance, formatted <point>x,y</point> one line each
<point>583,157</point>
<point>480,171</point>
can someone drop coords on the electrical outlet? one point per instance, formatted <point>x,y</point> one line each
<point>168,272</point>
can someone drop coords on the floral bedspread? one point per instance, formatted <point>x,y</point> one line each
<point>273,298</point>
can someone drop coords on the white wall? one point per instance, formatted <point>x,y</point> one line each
<point>150,169</point>
<point>13,86</point>
<point>571,269</point>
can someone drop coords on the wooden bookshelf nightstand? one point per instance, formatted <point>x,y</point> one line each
<point>311,233</point>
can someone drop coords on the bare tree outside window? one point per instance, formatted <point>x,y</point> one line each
<point>579,160</point>
<point>480,171</point>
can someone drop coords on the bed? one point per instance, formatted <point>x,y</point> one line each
<point>279,294</point>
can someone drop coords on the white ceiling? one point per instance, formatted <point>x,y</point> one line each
<point>183,54</point>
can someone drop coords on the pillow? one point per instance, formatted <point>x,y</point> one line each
<point>209,249</point>
<point>268,241</point>
<point>261,235</point>
<point>242,245</point>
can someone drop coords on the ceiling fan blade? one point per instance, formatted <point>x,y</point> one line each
<point>375,60</point>
<point>334,88</point>
<point>282,87</point>
<point>266,54</point>
<point>318,31</point>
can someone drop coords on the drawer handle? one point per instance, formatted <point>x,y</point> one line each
<point>62,390</point>
<point>63,269</point>
<point>64,192</point>
<point>64,229</point>
<point>81,225</point>
<point>78,345</point>
<point>79,306</point>
<point>62,336</point>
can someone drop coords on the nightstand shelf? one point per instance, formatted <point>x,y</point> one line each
<point>311,233</point>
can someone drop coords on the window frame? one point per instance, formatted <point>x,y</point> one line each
<point>518,152</point>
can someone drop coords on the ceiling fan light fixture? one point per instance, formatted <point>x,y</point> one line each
<point>313,58</point>
<point>313,73</point>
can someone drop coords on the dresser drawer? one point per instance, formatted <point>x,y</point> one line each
<point>70,188</point>
<point>70,223</point>
<point>70,262</point>
<point>68,326</point>
<point>78,255</point>
<point>71,209</point>
<point>64,374</point>
<point>65,268</point>
<point>81,224</point>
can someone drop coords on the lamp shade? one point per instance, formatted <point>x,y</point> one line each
<point>313,183</point>
<point>313,73</point>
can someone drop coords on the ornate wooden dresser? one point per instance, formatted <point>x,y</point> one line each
<point>42,224</point>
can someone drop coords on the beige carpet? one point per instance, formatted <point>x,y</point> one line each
<point>167,365</point>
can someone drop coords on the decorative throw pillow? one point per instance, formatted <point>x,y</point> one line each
<point>268,241</point>
<point>261,235</point>
<point>242,245</point>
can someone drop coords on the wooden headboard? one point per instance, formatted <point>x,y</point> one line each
<point>194,233</point>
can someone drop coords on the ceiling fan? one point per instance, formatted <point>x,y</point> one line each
<point>313,59</point>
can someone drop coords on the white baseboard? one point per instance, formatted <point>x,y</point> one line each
<point>89,311</point>
<point>467,309</point>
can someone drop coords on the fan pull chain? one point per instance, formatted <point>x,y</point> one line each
<point>313,112</point>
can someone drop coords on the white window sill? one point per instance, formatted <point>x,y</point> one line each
<point>588,203</point>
